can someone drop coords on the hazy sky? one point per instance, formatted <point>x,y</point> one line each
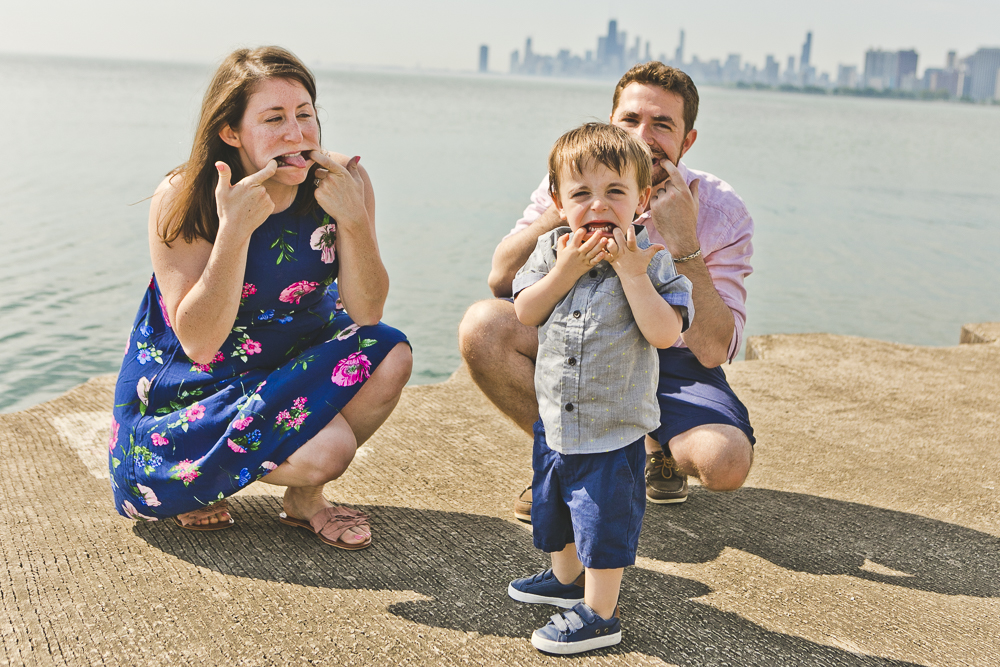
<point>446,34</point>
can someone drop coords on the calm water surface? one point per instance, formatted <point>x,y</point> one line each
<point>877,218</point>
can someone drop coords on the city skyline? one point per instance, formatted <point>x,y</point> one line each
<point>447,34</point>
<point>974,77</point>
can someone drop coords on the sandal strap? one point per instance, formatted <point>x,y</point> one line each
<point>332,522</point>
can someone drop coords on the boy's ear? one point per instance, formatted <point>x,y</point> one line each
<point>643,201</point>
<point>228,135</point>
<point>559,207</point>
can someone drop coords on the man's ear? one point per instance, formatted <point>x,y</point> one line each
<point>688,143</point>
<point>643,201</point>
<point>228,135</point>
<point>558,204</point>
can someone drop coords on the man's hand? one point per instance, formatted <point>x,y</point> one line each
<point>674,210</point>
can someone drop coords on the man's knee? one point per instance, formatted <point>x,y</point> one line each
<point>718,454</point>
<point>485,327</point>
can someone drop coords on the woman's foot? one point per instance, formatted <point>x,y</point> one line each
<point>304,503</point>
<point>211,517</point>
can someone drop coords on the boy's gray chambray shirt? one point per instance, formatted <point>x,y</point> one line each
<point>595,373</point>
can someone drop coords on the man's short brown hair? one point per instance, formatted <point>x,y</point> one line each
<point>655,73</point>
<point>607,144</point>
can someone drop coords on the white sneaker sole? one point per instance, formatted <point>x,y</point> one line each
<point>567,648</point>
<point>521,596</point>
<point>666,501</point>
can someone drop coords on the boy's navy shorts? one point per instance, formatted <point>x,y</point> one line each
<point>691,395</point>
<point>594,500</point>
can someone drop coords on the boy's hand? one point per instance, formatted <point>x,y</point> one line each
<point>627,258</point>
<point>574,256</point>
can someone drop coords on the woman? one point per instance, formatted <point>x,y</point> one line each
<point>243,363</point>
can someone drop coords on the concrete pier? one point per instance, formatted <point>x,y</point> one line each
<point>868,533</point>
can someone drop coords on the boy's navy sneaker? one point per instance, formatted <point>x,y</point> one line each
<point>577,630</point>
<point>544,588</point>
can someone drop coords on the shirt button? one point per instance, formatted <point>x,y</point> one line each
<point>593,273</point>
<point>572,361</point>
<point>569,407</point>
<point>576,314</point>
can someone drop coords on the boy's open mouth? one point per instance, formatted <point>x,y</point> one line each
<point>292,160</point>
<point>602,228</point>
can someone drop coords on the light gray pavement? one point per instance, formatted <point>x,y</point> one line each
<point>867,534</point>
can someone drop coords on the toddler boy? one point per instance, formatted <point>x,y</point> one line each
<point>603,299</point>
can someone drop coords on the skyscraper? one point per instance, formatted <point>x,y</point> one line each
<point>984,70</point>
<point>806,52</point>
<point>906,68</point>
<point>770,76</point>
<point>881,69</point>
<point>679,54</point>
<point>484,58</point>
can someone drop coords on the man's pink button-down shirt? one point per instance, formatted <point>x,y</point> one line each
<point>725,232</point>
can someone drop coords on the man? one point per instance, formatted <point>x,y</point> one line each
<point>705,430</point>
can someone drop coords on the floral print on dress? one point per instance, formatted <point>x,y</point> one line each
<point>207,368</point>
<point>324,239</point>
<point>149,498</point>
<point>249,289</point>
<point>188,415</point>
<point>113,440</point>
<point>148,353</point>
<point>142,390</point>
<point>294,292</point>
<point>186,471</point>
<point>163,310</point>
<point>293,417</point>
<point>241,444</point>
<point>132,513</point>
<point>347,332</point>
<point>242,423</point>
<point>352,370</point>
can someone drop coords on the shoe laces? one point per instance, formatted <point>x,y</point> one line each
<point>666,464</point>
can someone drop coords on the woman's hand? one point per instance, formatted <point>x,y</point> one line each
<point>341,190</point>
<point>345,193</point>
<point>246,204</point>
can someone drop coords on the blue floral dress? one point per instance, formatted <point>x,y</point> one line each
<point>184,434</point>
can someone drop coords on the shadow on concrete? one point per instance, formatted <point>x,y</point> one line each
<point>462,563</point>
<point>822,536</point>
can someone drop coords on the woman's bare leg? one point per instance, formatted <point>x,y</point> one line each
<point>328,454</point>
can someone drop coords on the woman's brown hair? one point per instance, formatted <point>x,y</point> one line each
<point>191,213</point>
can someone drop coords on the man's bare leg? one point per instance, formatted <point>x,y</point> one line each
<point>719,455</point>
<point>500,353</point>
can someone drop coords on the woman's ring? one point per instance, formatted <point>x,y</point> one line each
<point>316,181</point>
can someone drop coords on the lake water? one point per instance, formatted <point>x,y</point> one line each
<point>876,218</point>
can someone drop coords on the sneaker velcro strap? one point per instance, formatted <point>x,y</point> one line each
<point>568,621</point>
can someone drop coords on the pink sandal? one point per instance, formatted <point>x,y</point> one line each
<point>330,524</point>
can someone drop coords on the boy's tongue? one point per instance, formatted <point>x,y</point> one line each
<point>293,160</point>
